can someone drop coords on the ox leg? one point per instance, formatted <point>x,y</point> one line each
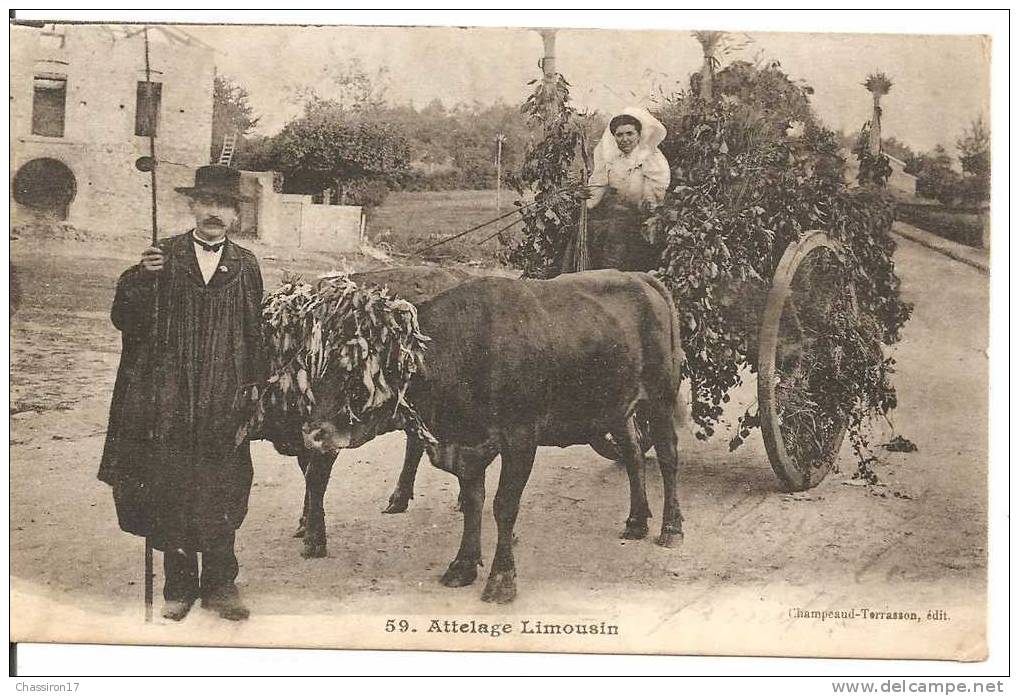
<point>633,458</point>
<point>665,424</point>
<point>404,492</point>
<point>302,525</point>
<point>517,460</point>
<point>464,568</point>
<point>316,480</point>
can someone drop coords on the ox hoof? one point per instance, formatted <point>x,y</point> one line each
<point>501,587</point>
<point>635,529</point>
<point>397,503</point>
<point>313,550</point>
<point>670,538</point>
<point>460,574</point>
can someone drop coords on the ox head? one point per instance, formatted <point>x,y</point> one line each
<point>330,434</point>
<point>330,427</point>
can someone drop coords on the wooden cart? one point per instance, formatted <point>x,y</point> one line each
<point>802,440</point>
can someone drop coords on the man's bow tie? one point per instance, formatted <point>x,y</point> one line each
<point>213,248</point>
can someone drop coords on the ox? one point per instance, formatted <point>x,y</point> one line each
<point>514,364</point>
<point>414,284</point>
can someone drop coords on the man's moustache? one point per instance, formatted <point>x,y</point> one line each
<point>212,220</point>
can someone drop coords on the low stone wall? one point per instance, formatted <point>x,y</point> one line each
<point>285,219</point>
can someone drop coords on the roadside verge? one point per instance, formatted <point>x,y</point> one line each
<point>977,258</point>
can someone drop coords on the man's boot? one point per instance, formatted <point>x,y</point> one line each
<point>219,570</point>
<point>226,601</point>
<point>180,589</point>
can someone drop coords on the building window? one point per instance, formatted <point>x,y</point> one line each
<point>49,95</point>
<point>146,114</point>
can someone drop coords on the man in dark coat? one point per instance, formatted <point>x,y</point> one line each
<point>189,315</point>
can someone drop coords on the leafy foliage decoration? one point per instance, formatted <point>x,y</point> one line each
<point>748,182</point>
<point>551,169</point>
<point>874,169</point>
<point>371,337</point>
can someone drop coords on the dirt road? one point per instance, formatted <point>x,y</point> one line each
<point>753,557</point>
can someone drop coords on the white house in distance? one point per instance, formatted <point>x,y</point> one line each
<point>81,113</point>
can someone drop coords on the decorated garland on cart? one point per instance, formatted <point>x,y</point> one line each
<point>754,172</point>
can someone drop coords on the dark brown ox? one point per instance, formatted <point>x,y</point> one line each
<point>414,284</point>
<point>514,364</point>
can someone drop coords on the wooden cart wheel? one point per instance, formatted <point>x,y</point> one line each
<point>606,446</point>
<point>802,437</point>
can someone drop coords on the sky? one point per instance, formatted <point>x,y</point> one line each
<point>940,82</point>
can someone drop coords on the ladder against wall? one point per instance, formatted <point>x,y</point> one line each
<point>226,155</point>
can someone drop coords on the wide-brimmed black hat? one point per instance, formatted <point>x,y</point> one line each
<point>218,181</point>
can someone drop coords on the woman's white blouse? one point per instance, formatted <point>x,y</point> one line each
<point>640,177</point>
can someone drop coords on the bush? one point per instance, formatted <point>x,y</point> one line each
<point>367,193</point>
<point>936,179</point>
<point>975,189</point>
<point>962,226</point>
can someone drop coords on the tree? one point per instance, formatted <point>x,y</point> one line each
<point>231,113</point>
<point>455,147</point>
<point>331,149</point>
<point>975,157</point>
<point>898,149</point>
<point>935,177</point>
<point>346,85</point>
<point>975,148</point>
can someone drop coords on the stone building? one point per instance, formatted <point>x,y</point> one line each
<point>81,113</point>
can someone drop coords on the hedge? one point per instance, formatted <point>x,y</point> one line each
<point>962,225</point>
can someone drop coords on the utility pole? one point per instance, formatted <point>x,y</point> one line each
<point>548,67</point>
<point>548,61</point>
<point>499,140</point>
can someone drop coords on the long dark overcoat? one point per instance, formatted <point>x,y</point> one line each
<point>170,453</point>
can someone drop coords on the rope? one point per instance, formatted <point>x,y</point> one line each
<point>515,211</point>
<point>499,231</point>
<point>474,229</point>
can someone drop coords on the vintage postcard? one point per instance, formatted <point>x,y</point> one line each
<point>688,331</point>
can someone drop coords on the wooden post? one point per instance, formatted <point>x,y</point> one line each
<point>874,144</point>
<point>499,140</point>
<point>548,61</point>
<point>548,68</point>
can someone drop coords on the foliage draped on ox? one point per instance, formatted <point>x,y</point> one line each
<point>368,336</point>
<point>753,169</point>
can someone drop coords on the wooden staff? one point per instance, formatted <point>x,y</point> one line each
<point>583,260</point>
<point>155,311</point>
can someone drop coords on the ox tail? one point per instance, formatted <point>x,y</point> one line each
<point>682,413</point>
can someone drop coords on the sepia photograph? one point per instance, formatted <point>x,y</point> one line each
<point>539,339</point>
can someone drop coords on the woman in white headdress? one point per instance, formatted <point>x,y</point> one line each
<point>630,175</point>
